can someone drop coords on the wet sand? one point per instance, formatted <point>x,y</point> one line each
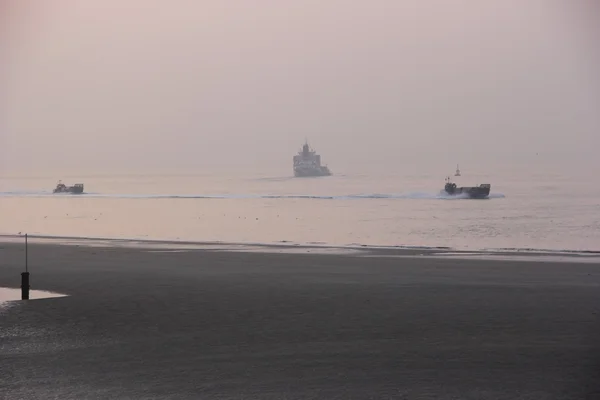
<point>147,324</point>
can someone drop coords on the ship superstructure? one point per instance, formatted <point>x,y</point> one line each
<point>308,163</point>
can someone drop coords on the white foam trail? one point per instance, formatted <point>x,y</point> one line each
<point>24,193</point>
<point>410,196</point>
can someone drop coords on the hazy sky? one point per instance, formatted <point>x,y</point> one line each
<point>197,85</point>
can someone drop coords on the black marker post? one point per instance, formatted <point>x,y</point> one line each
<point>25,276</point>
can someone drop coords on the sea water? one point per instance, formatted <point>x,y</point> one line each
<point>546,211</point>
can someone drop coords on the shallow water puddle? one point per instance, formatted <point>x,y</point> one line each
<point>10,294</point>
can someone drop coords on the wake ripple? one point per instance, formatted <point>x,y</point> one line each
<point>413,196</point>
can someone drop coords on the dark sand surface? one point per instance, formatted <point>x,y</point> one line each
<point>140,324</point>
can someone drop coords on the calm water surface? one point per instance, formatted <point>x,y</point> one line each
<point>532,210</point>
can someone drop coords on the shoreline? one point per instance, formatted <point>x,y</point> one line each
<point>505,254</point>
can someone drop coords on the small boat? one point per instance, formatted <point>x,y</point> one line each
<point>62,188</point>
<point>457,171</point>
<point>474,192</point>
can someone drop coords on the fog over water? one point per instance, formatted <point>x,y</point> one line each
<point>125,86</point>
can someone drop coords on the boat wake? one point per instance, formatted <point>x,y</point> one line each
<point>414,196</point>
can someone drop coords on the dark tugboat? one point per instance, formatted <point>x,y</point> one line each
<point>308,163</point>
<point>62,188</point>
<point>474,192</point>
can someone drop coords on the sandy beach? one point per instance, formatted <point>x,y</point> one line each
<point>143,323</point>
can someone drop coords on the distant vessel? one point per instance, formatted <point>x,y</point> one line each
<point>457,171</point>
<point>308,163</point>
<point>62,188</point>
<point>474,192</point>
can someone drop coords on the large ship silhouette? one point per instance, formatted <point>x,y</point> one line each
<point>308,163</point>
